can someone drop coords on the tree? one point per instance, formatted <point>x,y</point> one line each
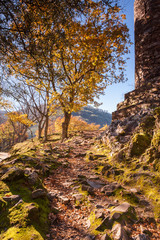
<point>24,14</point>
<point>77,59</point>
<point>35,104</point>
<point>14,130</point>
<point>90,58</point>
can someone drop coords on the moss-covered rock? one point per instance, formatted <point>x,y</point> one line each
<point>13,174</point>
<point>17,233</point>
<point>139,144</point>
<point>156,140</point>
<point>148,123</point>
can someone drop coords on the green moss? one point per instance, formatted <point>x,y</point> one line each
<point>156,139</point>
<point>148,123</point>
<point>128,196</point>
<point>94,223</point>
<point>99,168</point>
<point>3,188</point>
<point>18,215</point>
<point>140,142</point>
<point>157,112</point>
<point>84,193</point>
<point>156,165</point>
<point>16,233</point>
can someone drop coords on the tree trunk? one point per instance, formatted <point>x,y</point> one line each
<point>65,125</point>
<point>39,131</point>
<point>46,128</point>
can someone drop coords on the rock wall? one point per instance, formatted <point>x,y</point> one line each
<point>147,61</point>
<point>147,41</point>
<point>140,99</point>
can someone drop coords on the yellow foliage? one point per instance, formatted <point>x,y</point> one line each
<point>21,118</point>
<point>105,127</point>
<point>76,124</point>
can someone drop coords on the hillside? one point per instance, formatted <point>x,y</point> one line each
<point>94,115</point>
<point>89,114</point>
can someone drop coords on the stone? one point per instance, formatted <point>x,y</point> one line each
<point>64,200</point>
<point>116,215</point>
<point>105,237</point>
<point>87,188</point>
<point>134,190</point>
<point>18,203</point>
<point>113,171</point>
<point>77,197</point>
<point>105,224</point>
<point>39,193</point>
<point>99,214</point>
<point>88,223</point>
<point>95,184</point>
<point>33,178</point>
<point>52,194</point>
<point>13,174</point>
<point>139,144</point>
<point>142,237</point>
<point>12,198</point>
<point>124,213</point>
<point>119,233</point>
<point>98,206</point>
<point>89,237</point>
<point>33,211</point>
<point>147,22</point>
<point>68,184</point>
<point>123,208</point>
<point>109,188</point>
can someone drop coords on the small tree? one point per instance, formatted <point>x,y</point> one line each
<point>14,130</point>
<point>32,102</point>
<point>90,58</point>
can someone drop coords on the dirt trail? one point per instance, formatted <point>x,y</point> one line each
<point>71,222</point>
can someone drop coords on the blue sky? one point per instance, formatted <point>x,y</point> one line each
<point>115,93</point>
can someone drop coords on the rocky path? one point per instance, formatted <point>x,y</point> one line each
<point>78,195</point>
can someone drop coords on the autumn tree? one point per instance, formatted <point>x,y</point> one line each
<point>14,130</point>
<point>77,58</point>
<point>32,102</point>
<point>90,59</point>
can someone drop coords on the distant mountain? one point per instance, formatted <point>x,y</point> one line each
<point>94,115</point>
<point>89,114</point>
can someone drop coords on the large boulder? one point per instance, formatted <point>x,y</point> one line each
<point>124,213</point>
<point>39,193</point>
<point>139,144</point>
<point>13,174</point>
<point>110,188</point>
